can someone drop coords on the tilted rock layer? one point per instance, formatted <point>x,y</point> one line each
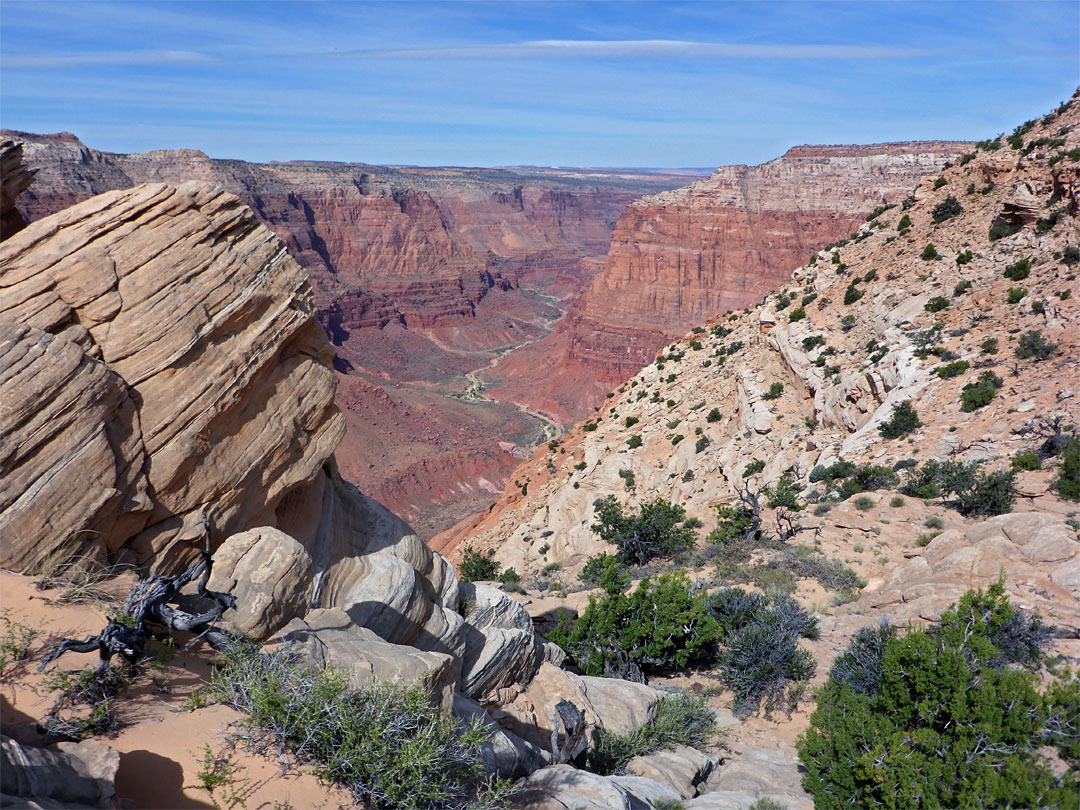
<point>189,332</point>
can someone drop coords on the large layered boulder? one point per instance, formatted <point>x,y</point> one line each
<point>196,314</point>
<point>71,451</point>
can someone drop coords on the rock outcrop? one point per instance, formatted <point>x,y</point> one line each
<point>189,330</point>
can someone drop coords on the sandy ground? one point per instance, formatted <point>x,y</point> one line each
<point>161,746</point>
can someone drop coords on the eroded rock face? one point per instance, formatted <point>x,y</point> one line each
<point>71,451</point>
<point>1038,554</point>
<point>680,257</point>
<point>203,328</point>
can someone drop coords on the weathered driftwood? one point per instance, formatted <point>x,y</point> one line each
<point>125,634</point>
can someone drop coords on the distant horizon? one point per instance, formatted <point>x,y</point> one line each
<point>568,84</point>
<point>689,170</point>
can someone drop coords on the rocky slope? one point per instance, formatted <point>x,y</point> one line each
<point>841,366</point>
<point>807,377</point>
<point>419,276</point>
<point>680,257</point>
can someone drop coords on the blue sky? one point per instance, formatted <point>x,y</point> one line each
<point>473,83</point>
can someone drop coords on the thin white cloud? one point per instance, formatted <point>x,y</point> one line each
<point>63,60</point>
<point>635,49</point>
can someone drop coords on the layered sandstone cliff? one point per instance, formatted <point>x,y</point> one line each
<point>680,257</point>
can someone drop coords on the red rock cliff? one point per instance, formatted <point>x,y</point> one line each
<point>680,257</point>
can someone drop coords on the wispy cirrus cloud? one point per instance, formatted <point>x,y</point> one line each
<point>103,58</point>
<point>634,49</point>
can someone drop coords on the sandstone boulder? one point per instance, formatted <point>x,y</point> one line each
<point>209,329</point>
<point>269,573</point>
<point>683,769</point>
<point>621,706</point>
<point>65,775</point>
<point>506,755</point>
<point>328,636</point>
<point>751,775</point>
<point>533,714</point>
<point>561,787</point>
<point>500,646</point>
<point>71,451</point>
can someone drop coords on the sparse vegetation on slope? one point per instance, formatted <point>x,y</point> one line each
<point>386,743</point>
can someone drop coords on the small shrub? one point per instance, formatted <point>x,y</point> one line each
<point>962,288</point>
<point>678,437</point>
<point>954,369</point>
<point>1026,462</point>
<point>630,421</point>
<point>941,181</point>
<point>936,304</point>
<point>1067,482</point>
<point>964,257</point>
<point>797,314</point>
<point>904,223</point>
<point>16,640</point>
<point>701,443</point>
<point>661,624</point>
<point>477,567</point>
<point>753,468</point>
<point>776,389</point>
<point>934,522</point>
<point>929,253</point>
<point>1033,345</point>
<point>634,441</point>
<point>1015,295</point>
<point>947,209</point>
<point>989,346</point>
<point>1070,255</point>
<point>847,323</point>
<point>978,394</point>
<point>385,743</point>
<point>784,493</point>
<point>1018,271</point>
<point>896,502</point>
<point>1000,227</point>
<point>904,420</point>
<point>852,294</point>
<point>863,502</point>
<point>607,572</point>
<point>713,416</point>
<point>652,532</point>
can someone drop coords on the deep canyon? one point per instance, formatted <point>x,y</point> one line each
<point>476,311</point>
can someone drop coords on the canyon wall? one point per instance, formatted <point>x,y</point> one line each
<point>419,275</point>
<point>680,257</point>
